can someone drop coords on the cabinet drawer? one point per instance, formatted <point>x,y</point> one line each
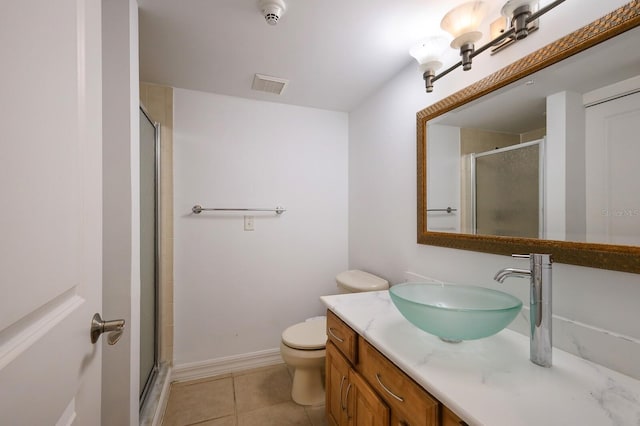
<point>410,404</point>
<point>342,336</point>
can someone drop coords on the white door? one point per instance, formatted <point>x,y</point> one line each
<point>613,176</point>
<point>50,211</point>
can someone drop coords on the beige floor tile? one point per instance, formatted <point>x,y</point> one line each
<point>262,388</point>
<point>199,401</point>
<point>203,380</point>
<point>317,415</point>
<point>291,370</point>
<point>224,421</point>
<point>285,414</point>
<point>258,369</point>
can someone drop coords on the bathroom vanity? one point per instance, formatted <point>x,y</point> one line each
<point>359,383</point>
<point>381,370</point>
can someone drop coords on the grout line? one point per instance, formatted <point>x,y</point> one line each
<point>235,400</point>
<point>207,420</point>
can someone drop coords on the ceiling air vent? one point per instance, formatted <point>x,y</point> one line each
<point>269,84</point>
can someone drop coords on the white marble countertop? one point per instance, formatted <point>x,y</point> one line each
<point>491,381</point>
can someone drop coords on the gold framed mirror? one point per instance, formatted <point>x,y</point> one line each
<point>582,251</point>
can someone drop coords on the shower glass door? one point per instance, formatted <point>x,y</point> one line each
<point>509,188</point>
<point>149,178</point>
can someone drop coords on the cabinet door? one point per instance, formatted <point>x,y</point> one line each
<point>365,408</point>
<point>450,419</point>
<point>337,378</point>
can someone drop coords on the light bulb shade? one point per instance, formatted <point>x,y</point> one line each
<point>463,21</point>
<point>511,6</point>
<point>430,66</point>
<point>428,53</point>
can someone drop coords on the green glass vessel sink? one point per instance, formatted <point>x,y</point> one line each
<point>455,312</point>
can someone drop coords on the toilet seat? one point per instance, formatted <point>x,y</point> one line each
<point>308,335</point>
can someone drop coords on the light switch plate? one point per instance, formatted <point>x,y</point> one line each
<point>248,223</point>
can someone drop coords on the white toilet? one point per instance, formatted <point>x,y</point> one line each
<point>303,345</point>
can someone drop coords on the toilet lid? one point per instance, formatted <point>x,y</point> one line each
<point>306,335</point>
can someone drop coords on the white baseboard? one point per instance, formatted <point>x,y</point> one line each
<point>226,365</point>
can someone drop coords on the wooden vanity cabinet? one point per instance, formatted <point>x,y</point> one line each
<point>410,404</point>
<point>350,401</point>
<point>336,374</point>
<point>364,388</point>
<point>343,336</point>
<point>450,419</point>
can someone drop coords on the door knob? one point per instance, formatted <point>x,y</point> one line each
<point>115,328</point>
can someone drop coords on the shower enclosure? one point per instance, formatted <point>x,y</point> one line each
<point>508,191</point>
<point>149,251</point>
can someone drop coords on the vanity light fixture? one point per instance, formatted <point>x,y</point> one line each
<point>428,52</point>
<point>462,23</point>
<point>519,12</point>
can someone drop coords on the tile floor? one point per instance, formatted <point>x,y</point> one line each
<point>260,397</point>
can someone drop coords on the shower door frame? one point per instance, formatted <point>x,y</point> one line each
<point>156,352</point>
<point>542,189</point>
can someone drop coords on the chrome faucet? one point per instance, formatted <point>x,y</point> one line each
<point>539,274</point>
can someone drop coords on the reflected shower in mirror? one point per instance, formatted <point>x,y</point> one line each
<point>551,156</point>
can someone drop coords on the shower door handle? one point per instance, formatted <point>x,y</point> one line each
<point>115,328</point>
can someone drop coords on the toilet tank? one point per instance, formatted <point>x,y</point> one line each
<point>356,281</point>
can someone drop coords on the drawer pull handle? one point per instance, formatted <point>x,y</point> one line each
<point>399,398</point>
<point>342,407</point>
<point>334,336</point>
<point>346,400</point>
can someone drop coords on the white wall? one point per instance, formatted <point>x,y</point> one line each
<point>555,214</point>
<point>121,210</point>
<point>235,290</point>
<point>445,170</point>
<point>565,198</point>
<point>599,307</point>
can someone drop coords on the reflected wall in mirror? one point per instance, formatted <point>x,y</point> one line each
<point>542,155</point>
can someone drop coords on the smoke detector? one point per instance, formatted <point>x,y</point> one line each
<point>272,10</point>
<point>265,83</point>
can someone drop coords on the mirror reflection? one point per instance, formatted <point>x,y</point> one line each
<point>552,156</point>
